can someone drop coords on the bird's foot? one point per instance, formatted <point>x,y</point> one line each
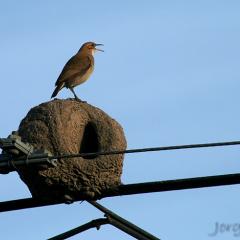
<point>79,100</point>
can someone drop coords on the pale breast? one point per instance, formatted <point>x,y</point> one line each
<point>80,79</point>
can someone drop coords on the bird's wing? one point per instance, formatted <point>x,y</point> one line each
<point>77,65</point>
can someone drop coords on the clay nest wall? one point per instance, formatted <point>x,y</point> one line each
<point>69,127</point>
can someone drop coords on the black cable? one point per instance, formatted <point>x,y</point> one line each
<point>153,149</point>
<point>123,224</point>
<point>43,159</point>
<point>92,224</point>
<point>129,189</point>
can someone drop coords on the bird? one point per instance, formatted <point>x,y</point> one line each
<point>78,69</point>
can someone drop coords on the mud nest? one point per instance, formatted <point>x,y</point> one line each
<point>69,127</point>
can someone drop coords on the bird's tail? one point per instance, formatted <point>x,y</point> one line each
<point>57,89</point>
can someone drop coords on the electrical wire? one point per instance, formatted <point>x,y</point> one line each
<point>152,149</point>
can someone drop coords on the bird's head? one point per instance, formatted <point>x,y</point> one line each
<point>90,47</point>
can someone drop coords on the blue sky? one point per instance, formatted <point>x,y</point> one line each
<point>169,74</point>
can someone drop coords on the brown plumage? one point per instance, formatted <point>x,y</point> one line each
<point>78,69</point>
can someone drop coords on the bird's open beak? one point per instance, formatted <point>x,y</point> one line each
<point>97,49</point>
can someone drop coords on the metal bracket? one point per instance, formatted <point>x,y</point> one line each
<point>17,153</point>
<point>14,146</point>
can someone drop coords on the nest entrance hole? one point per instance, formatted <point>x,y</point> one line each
<point>90,143</point>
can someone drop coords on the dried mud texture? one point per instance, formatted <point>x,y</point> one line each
<point>69,127</point>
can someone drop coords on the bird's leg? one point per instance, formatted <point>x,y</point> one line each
<point>75,95</point>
